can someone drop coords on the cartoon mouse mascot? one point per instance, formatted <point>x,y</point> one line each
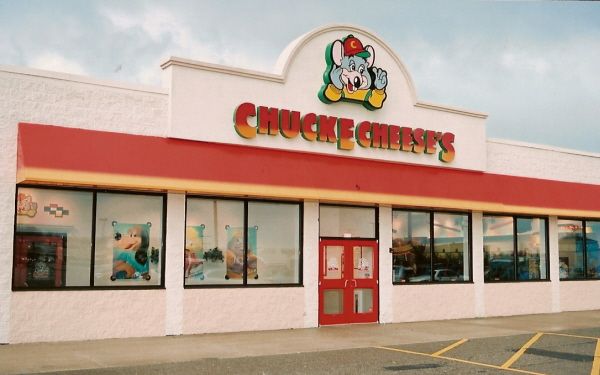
<point>351,76</point>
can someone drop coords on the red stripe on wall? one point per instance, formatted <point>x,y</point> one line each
<point>60,148</point>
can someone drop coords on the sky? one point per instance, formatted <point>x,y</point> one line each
<point>532,66</point>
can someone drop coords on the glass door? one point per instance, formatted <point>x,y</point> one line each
<point>348,282</point>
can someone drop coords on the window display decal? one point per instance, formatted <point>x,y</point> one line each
<point>55,210</point>
<point>194,252</point>
<point>235,253</point>
<point>332,264</point>
<point>26,206</point>
<point>351,76</point>
<point>130,251</point>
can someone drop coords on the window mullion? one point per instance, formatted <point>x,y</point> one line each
<point>431,246</point>
<point>584,247</point>
<point>245,243</point>
<point>93,240</point>
<point>515,248</point>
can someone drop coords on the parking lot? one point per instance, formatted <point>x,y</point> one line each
<point>565,352</point>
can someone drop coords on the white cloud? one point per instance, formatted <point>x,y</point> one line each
<point>175,35</point>
<point>56,62</point>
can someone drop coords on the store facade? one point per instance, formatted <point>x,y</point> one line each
<point>233,200</point>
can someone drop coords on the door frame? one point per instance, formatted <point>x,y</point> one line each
<point>348,283</point>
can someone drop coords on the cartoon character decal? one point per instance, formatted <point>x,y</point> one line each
<point>26,205</point>
<point>130,251</point>
<point>351,76</point>
<point>234,255</point>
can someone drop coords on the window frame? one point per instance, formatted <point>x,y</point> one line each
<point>245,283</point>
<point>92,239</point>
<point>432,213</point>
<point>375,214</point>
<point>516,247</point>
<point>585,257</point>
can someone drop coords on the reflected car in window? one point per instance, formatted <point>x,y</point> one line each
<point>442,274</point>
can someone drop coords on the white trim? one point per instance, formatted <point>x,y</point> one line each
<point>82,79</point>
<point>179,61</point>
<point>542,147</point>
<point>459,111</point>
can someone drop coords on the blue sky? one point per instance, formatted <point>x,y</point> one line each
<point>534,67</point>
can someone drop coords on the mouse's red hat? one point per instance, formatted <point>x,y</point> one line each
<point>354,47</point>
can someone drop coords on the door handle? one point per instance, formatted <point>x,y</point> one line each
<point>346,283</point>
<point>355,283</point>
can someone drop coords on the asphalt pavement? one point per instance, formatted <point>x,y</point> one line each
<point>564,343</point>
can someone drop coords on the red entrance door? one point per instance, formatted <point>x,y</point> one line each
<point>348,282</point>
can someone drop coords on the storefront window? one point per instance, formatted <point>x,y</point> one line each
<point>274,252</point>
<point>129,237</point>
<point>514,248</point>
<point>531,245</point>
<point>214,239</point>
<point>414,258</point>
<point>52,238</point>
<point>451,252</point>
<point>347,222</point>
<point>579,253</point>
<point>219,251</point>
<point>592,249</point>
<point>54,247</point>
<point>498,248</point>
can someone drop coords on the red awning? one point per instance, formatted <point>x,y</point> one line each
<point>52,154</point>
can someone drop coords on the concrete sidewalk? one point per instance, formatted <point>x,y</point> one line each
<point>80,355</point>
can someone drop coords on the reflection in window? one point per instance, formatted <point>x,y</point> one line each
<point>506,258</point>
<point>52,239</point>
<point>579,253</point>
<point>531,245</point>
<point>451,252</point>
<point>592,249</point>
<point>413,257</point>
<point>498,248</point>
<point>411,246</point>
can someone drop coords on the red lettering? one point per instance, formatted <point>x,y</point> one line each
<point>379,136</point>
<point>447,153</point>
<point>430,142</point>
<point>394,137</point>
<point>289,123</point>
<point>418,141</point>
<point>326,128</point>
<point>268,120</point>
<point>345,131</point>
<point>361,134</point>
<point>308,132</point>
<point>240,120</point>
<point>406,139</point>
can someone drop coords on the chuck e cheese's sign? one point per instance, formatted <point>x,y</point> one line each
<point>350,76</point>
<point>339,91</point>
<point>251,120</point>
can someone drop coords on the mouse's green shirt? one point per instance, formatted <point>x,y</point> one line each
<point>374,97</point>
